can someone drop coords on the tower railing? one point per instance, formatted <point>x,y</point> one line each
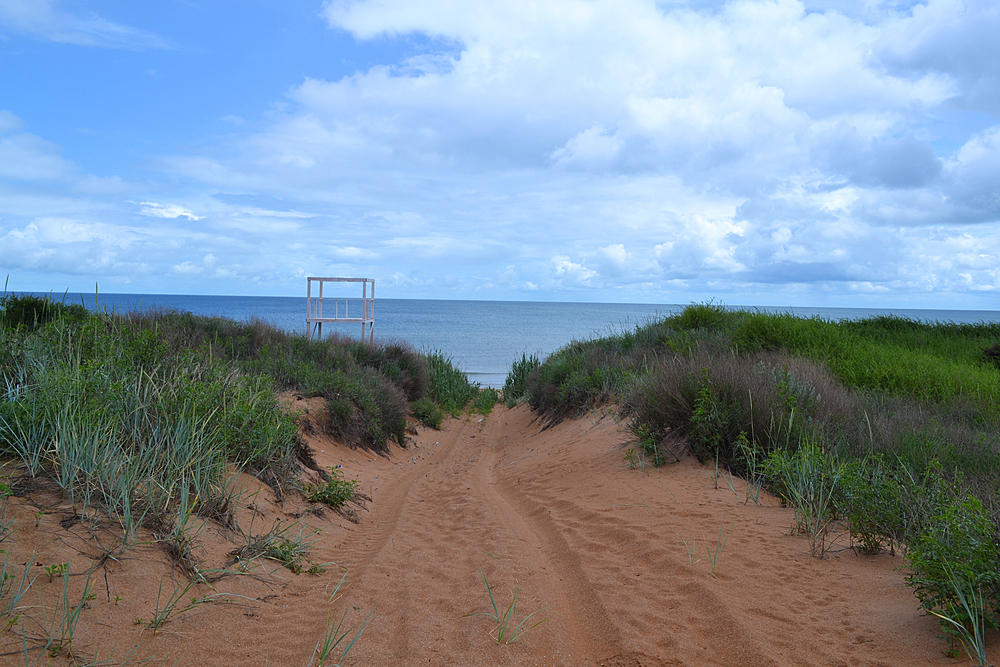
<point>322,309</point>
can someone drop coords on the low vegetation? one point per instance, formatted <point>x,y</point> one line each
<point>142,420</point>
<point>886,425</point>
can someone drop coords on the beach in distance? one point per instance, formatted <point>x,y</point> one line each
<point>483,338</point>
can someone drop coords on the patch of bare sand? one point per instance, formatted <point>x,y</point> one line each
<point>554,512</point>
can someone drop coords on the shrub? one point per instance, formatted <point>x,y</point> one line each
<point>515,388</point>
<point>485,400</point>
<point>427,412</point>
<point>30,312</point>
<point>956,555</point>
<point>334,492</point>
<point>449,386</point>
<point>871,498</point>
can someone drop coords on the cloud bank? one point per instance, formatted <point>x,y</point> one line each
<point>768,152</point>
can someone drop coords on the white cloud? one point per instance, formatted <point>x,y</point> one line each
<point>757,147</point>
<point>9,122</point>
<point>154,210</point>
<point>44,19</point>
<point>27,157</point>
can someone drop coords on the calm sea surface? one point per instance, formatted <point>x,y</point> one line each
<point>481,337</point>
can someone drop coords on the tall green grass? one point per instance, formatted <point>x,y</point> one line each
<point>132,412</point>
<point>117,422</point>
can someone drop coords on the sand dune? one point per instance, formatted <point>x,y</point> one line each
<point>598,547</point>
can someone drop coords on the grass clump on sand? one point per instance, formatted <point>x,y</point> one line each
<point>888,424</point>
<point>334,492</point>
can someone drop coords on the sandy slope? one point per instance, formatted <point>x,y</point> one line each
<point>554,512</point>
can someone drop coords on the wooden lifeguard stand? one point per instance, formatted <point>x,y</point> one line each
<point>345,310</point>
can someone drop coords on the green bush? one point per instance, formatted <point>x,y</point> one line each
<point>956,551</point>
<point>872,499</point>
<point>31,312</point>
<point>427,412</point>
<point>485,400</point>
<point>334,492</point>
<point>367,387</point>
<point>515,388</point>
<point>449,386</point>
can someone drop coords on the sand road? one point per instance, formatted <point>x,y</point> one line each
<point>619,560</point>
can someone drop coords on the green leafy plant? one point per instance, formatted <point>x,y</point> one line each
<point>646,440</point>
<point>953,562</point>
<point>427,412</point>
<point>507,631</point>
<point>334,492</point>
<point>630,458</point>
<point>55,570</point>
<point>485,400</point>
<point>872,500</point>
<point>707,419</point>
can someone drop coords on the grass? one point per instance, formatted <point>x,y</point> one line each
<point>449,386</point>
<point>970,622</point>
<point>720,545</point>
<point>515,388</point>
<point>333,637</point>
<point>171,606</point>
<point>281,544</point>
<point>129,413</point>
<point>808,480</point>
<point>507,631</point>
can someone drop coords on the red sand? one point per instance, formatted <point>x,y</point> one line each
<point>556,513</point>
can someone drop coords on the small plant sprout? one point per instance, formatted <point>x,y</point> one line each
<point>55,570</point>
<point>631,459</point>
<point>692,548</point>
<point>332,636</point>
<point>720,544</point>
<point>507,631</point>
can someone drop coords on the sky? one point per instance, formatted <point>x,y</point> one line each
<point>751,152</point>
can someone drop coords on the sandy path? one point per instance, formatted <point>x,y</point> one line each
<point>559,514</point>
<point>556,513</point>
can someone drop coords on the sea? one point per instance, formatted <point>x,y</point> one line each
<point>482,338</point>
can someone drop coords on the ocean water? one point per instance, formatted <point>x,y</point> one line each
<point>483,338</point>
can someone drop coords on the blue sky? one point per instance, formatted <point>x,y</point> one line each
<point>758,153</point>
